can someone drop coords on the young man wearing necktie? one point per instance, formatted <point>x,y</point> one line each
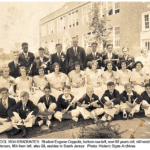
<point>23,114</point>
<point>41,60</point>
<point>146,100</point>
<point>60,58</point>
<point>89,105</point>
<point>47,107</point>
<point>111,102</point>
<point>5,104</point>
<point>73,54</point>
<point>130,101</point>
<point>94,55</point>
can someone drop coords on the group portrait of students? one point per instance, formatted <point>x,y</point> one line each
<point>64,86</point>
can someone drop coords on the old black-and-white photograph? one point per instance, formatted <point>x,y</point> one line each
<point>75,70</point>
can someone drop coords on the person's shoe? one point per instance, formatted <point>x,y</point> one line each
<point>75,119</point>
<point>48,123</point>
<point>130,116</point>
<point>109,118</point>
<point>103,118</point>
<point>125,116</point>
<point>24,133</point>
<point>40,122</point>
<point>15,132</point>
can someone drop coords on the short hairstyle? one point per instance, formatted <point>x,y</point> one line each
<point>110,83</point>
<point>24,93</point>
<point>3,89</point>
<point>15,51</point>
<point>4,67</point>
<point>76,63</point>
<point>47,87</point>
<point>127,84</point>
<point>147,84</point>
<point>66,86</point>
<point>123,61</point>
<point>109,45</point>
<point>143,49</point>
<point>124,48</point>
<point>40,67</point>
<point>89,87</point>
<point>59,44</point>
<point>54,65</point>
<point>24,43</point>
<point>94,43</point>
<point>138,62</point>
<point>22,68</point>
<point>41,49</point>
<point>93,62</point>
<point>75,38</point>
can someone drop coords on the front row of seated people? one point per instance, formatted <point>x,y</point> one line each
<point>25,113</point>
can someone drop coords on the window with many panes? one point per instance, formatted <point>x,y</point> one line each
<point>117,36</point>
<point>43,30</point>
<point>146,21</point>
<point>61,23</point>
<point>51,27</point>
<point>73,19</point>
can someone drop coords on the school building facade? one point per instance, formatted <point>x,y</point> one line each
<point>129,21</point>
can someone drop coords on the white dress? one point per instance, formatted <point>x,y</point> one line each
<point>77,79</point>
<point>95,79</point>
<point>124,77</point>
<point>139,78</point>
<point>57,82</point>
<point>109,77</point>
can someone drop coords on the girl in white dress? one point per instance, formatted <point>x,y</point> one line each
<point>57,80</point>
<point>138,78</point>
<point>109,75</point>
<point>94,78</point>
<point>6,80</point>
<point>124,76</point>
<point>77,81</point>
<point>145,60</point>
<point>39,82</point>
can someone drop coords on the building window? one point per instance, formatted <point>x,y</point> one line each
<point>73,19</point>
<point>110,36</point>
<point>51,27</point>
<point>117,36</point>
<point>146,17</point>
<point>43,30</point>
<point>61,23</point>
<point>110,8</point>
<point>86,13</point>
<point>147,44</point>
<point>146,21</point>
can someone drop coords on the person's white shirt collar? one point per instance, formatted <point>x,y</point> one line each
<point>6,100</point>
<point>109,55</point>
<point>75,47</point>
<point>25,53</point>
<point>41,58</point>
<point>94,53</point>
<point>68,98</point>
<point>58,54</point>
<point>130,93</point>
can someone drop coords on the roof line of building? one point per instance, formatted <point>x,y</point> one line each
<point>62,13</point>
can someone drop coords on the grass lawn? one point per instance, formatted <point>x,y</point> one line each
<point>64,125</point>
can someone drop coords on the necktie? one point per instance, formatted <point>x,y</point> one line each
<point>59,56</point>
<point>24,105</point>
<point>94,55</point>
<point>4,104</point>
<point>129,98</point>
<point>47,99</point>
<point>109,56</point>
<point>75,51</point>
<point>16,64</point>
<point>26,56</point>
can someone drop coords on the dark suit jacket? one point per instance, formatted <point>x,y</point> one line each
<point>51,100</point>
<point>63,104</point>
<point>37,63</point>
<point>24,113</point>
<point>71,58</point>
<point>3,111</point>
<point>23,61</point>
<point>85,98</point>
<point>90,57</point>
<point>145,96</point>
<point>130,59</point>
<point>114,56</point>
<point>124,97</point>
<point>115,96</point>
<point>14,71</point>
<point>62,62</point>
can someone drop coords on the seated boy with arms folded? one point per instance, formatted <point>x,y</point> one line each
<point>89,105</point>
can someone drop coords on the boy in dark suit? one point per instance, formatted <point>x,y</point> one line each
<point>111,102</point>
<point>130,101</point>
<point>94,56</point>
<point>26,58</point>
<point>41,60</point>
<point>5,104</point>
<point>110,56</point>
<point>47,107</point>
<point>146,100</point>
<point>60,58</point>
<point>14,65</point>
<point>73,54</point>
<point>23,114</point>
<point>66,106</point>
<point>89,105</point>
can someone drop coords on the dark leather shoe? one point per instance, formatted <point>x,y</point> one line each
<point>15,132</point>
<point>130,116</point>
<point>24,133</point>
